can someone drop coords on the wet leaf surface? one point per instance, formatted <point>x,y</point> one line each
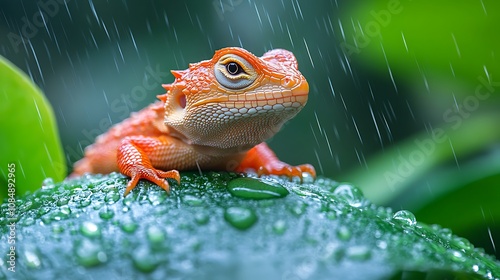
<point>321,230</point>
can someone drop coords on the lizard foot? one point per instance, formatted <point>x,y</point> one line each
<point>154,175</point>
<point>262,159</point>
<point>281,168</point>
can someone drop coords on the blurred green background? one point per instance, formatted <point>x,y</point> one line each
<point>404,95</point>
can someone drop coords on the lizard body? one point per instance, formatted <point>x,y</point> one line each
<point>215,115</point>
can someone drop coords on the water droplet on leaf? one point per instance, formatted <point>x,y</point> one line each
<point>112,197</point>
<point>201,218</point>
<point>32,258</point>
<point>28,221</point>
<point>84,202</point>
<point>90,229</point>
<point>358,253</point>
<point>156,197</point>
<point>155,235</point>
<point>405,217</point>
<point>65,210</point>
<point>129,199</point>
<point>350,194</point>
<point>144,260</point>
<point>192,200</point>
<point>46,219</point>
<point>456,256</point>
<point>57,228</point>
<point>256,188</point>
<point>279,227</point>
<point>462,243</point>
<point>42,211</point>
<point>129,226</point>
<point>48,183</point>
<point>331,215</point>
<point>240,217</point>
<point>89,253</point>
<point>298,208</point>
<point>343,233</point>
<point>302,191</point>
<point>62,201</point>
<point>106,213</point>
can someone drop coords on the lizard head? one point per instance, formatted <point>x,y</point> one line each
<point>235,100</point>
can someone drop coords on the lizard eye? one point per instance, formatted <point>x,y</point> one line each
<point>234,72</point>
<point>233,68</point>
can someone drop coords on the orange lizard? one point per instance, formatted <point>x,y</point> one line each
<point>215,115</point>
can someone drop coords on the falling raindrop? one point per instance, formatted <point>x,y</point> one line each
<point>389,68</point>
<point>404,40</point>
<point>491,239</point>
<point>308,53</point>
<point>454,154</point>
<point>376,125</point>
<point>456,45</point>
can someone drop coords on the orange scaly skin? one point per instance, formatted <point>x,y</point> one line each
<point>216,115</point>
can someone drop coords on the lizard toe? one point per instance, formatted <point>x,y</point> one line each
<point>151,174</point>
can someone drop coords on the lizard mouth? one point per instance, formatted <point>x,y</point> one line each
<point>295,97</point>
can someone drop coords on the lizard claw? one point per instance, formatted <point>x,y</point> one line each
<point>154,175</point>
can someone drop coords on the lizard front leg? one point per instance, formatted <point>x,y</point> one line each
<point>137,156</point>
<point>262,159</point>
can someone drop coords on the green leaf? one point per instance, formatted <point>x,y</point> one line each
<point>29,134</point>
<point>465,200</point>
<point>444,54</point>
<point>320,230</point>
<point>394,171</point>
<point>451,42</point>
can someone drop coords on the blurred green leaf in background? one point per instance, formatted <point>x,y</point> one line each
<point>29,134</point>
<point>447,51</point>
